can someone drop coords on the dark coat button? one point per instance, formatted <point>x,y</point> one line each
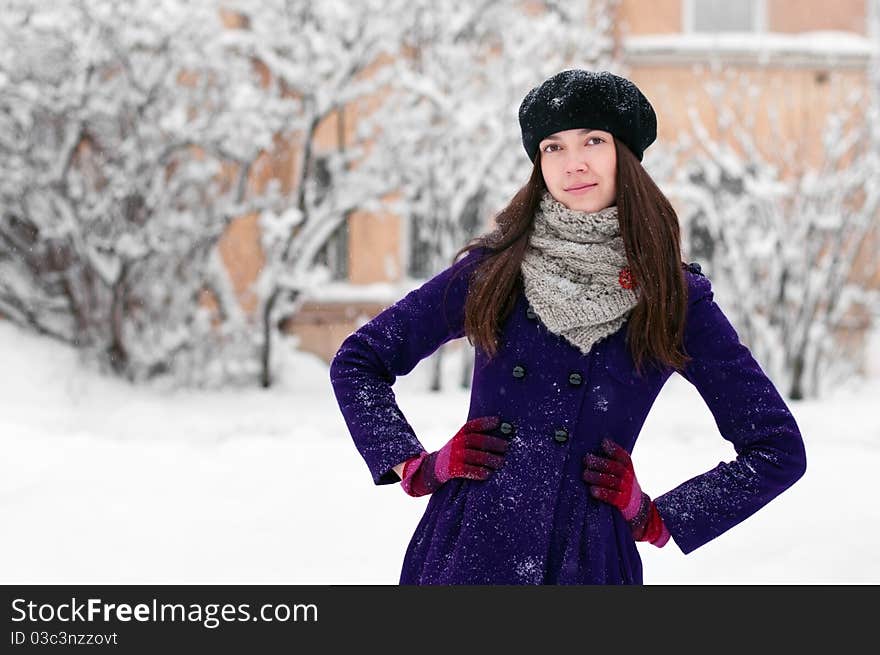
<point>518,371</point>
<point>575,379</point>
<point>695,268</point>
<point>506,428</point>
<point>561,435</point>
<point>530,313</point>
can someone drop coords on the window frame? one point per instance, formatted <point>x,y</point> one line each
<point>759,19</point>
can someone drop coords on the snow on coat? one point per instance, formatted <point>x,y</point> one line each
<point>533,520</point>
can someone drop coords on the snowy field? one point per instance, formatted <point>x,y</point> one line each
<point>102,483</point>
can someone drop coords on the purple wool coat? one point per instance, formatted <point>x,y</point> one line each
<point>533,520</point>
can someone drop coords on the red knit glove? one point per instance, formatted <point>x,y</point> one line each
<point>613,480</point>
<point>469,454</point>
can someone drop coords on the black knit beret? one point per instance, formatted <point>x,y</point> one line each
<point>578,98</point>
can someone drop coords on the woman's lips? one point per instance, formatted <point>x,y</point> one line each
<point>580,190</point>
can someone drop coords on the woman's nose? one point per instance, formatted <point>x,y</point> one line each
<point>576,165</point>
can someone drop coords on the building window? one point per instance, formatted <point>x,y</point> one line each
<point>323,178</point>
<point>712,16</point>
<point>420,249</point>
<point>334,253</point>
<point>424,256</point>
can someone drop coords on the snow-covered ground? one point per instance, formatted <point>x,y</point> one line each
<point>103,483</point>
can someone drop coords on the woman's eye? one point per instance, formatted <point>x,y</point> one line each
<point>555,145</point>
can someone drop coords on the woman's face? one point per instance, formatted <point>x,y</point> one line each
<point>572,159</point>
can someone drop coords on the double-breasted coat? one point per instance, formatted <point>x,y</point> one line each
<point>533,520</point>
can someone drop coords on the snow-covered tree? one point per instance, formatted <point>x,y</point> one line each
<point>781,237</point>
<point>127,135</point>
<point>330,56</point>
<point>451,137</point>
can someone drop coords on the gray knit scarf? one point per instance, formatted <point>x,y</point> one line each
<point>572,272</point>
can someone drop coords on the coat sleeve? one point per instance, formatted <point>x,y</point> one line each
<point>749,412</point>
<point>369,361</point>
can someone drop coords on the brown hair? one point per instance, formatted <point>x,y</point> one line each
<point>650,231</point>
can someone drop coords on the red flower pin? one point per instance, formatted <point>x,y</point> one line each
<point>626,279</point>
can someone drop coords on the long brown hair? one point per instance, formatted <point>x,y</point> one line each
<point>650,231</point>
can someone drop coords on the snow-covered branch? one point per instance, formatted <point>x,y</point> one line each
<point>780,236</point>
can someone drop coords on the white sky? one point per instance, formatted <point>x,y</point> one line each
<point>103,483</point>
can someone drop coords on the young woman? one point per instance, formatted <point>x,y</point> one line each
<point>579,309</point>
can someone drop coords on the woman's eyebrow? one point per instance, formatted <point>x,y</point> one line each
<point>556,138</point>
